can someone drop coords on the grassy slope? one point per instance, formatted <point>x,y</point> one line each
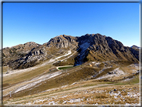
<point>73,76</point>
<point>132,81</point>
<point>24,76</point>
<point>4,69</point>
<point>83,84</point>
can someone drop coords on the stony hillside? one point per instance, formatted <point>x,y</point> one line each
<point>11,54</point>
<point>89,47</point>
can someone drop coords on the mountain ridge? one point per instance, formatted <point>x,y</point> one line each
<point>89,47</point>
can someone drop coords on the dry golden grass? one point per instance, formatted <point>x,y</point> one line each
<point>76,74</point>
<point>100,56</point>
<point>71,75</point>
<point>60,81</point>
<point>5,68</point>
<point>11,80</point>
<point>100,98</point>
<point>132,81</point>
<point>93,98</point>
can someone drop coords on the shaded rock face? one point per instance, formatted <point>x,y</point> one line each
<point>89,47</point>
<point>82,53</point>
<point>102,48</point>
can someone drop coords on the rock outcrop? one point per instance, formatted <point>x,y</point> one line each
<point>62,41</point>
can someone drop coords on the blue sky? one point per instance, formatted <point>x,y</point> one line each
<point>39,22</point>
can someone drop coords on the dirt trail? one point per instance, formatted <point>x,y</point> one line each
<point>63,92</point>
<point>53,60</point>
<point>34,81</point>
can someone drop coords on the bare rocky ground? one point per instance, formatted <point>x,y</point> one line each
<point>126,95</point>
<point>111,84</point>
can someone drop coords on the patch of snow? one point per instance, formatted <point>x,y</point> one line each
<point>64,86</point>
<point>128,79</point>
<point>98,63</point>
<point>64,96</point>
<point>74,83</point>
<point>52,60</point>
<point>35,67</point>
<point>115,96</point>
<point>116,72</point>
<point>68,57</point>
<point>64,102</point>
<point>37,80</point>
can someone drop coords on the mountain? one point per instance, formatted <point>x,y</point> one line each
<point>17,52</point>
<point>101,48</point>
<point>101,68</point>
<point>135,47</point>
<point>89,47</point>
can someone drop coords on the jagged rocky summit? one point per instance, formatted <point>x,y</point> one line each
<point>89,47</point>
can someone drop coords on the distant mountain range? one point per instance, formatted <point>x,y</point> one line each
<point>89,47</point>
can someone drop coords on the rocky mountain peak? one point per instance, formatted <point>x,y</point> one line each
<point>31,43</point>
<point>135,47</point>
<point>62,41</point>
<point>63,35</point>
